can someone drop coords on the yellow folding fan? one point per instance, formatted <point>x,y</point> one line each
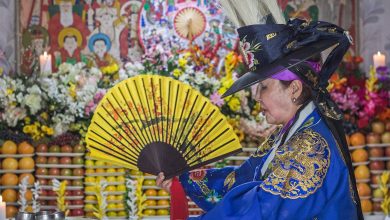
<point>157,124</point>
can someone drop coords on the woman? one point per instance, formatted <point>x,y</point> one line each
<point>303,170</point>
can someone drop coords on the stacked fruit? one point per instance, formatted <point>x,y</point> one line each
<point>97,171</point>
<point>370,156</point>
<point>157,199</point>
<point>64,163</point>
<point>16,163</point>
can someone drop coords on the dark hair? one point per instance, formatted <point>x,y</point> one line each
<point>70,36</point>
<point>306,94</point>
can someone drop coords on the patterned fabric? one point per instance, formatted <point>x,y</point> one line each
<point>307,179</point>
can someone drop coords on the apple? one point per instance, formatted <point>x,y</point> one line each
<point>377,193</point>
<point>77,212</point>
<point>66,149</point>
<point>68,193</point>
<point>377,165</point>
<point>41,171</point>
<point>375,179</point>
<point>52,202</point>
<point>387,152</point>
<point>388,165</point>
<point>51,193</point>
<point>42,148</point>
<point>78,202</point>
<point>43,202</point>
<point>54,171</point>
<point>78,172</point>
<point>78,148</point>
<point>376,207</point>
<point>54,149</point>
<point>41,160</point>
<point>77,183</point>
<point>52,160</point>
<point>65,160</point>
<point>378,127</point>
<point>387,125</point>
<point>66,172</point>
<point>42,182</point>
<point>376,152</point>
<point>386,137</point>
<point>78,192</point>
<point>373,138</point>
<point>43,193</point>
<point>78,160</point>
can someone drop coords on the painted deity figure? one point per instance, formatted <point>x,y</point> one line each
<point>99,44</point>
<point>69,41</point>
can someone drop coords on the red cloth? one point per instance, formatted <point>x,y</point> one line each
<point>179,202</point>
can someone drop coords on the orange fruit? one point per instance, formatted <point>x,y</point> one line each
<point>9,147</point>
<point>366,205</point>
<point>9,179</point>
<point>31,178</point>
<point>9,195</point>
<point>163,202</point>
<point>363,189</point>
<point>151,192</point>
<point>25,148</point>
<point>359,155</point>
<point>357,139</point>
<point>26,163</point>
<point>150,202</point>
<point>10,164</point>
<point>11,211</point>
<point>362,172</point>
<point>28,195</point>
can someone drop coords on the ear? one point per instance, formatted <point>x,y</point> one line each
<point>296,88</point>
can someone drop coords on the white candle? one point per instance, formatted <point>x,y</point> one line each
<point>2,209</point>
<point>45,63</point>
<point>379,60</point>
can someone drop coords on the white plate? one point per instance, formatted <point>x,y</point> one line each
<point>158,207</point>
<point>158,197</point>
<point>61,154</point>
<point>377,199</point>
<point>103,167</point>
<point>356,147</point>
<point>145,177</point>
<point>60,177</point>
<point>380,158</point>
<point>67,187</point>
<point>60,165</point>
<point>46,207</point>
<point>108,193</point>
<point>377,171</point>
<point>107,210</point>
<point>13,187</point>
<point>16,155</point>
<point>95,202</point>
<point>16,171</point>
<point>151,187</point>
<point>360,163</point>
<point>377,185</point>
<point>378,145</point>
<point>106,174</point>
<point>108,183</point>
<point>362,180</point>
<point>66,197</point>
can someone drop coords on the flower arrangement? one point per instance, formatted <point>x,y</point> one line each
<point>135,198</point>
<point>36,206</point>
<point>101,196</point>
<point>361,98</point>
<point>383,185</point>
<point>60,188</point>
<point>22,194</point>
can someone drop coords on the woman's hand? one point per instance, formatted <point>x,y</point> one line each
<point>164,184</point>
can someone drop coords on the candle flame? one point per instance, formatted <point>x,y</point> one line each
<point>45,54</point>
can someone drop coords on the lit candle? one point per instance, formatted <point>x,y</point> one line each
<point>2,209</point>
<point>379,60</point>
<point>45,63</point>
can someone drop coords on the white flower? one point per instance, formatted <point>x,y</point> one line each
<point>33,101</point>
<point>14,114</point>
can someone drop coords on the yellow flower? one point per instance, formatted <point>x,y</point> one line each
<point>44,115</point>
<point>27,120</point>
<point>110,69</point>
<point>72,90</point>
<point>177,72</point>
<point>234,104</point>
<point>182,62</point>
<point>10,91</point>
<point>27,129</point>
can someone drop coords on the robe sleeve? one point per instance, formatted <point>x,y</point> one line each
<point>207,187</point>
<point>302,182</point>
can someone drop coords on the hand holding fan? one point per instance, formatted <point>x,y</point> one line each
<point>157,124</point>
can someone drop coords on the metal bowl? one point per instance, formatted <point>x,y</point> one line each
<point>44,215</point>
<point>59,215</point>
<point>25,216</point>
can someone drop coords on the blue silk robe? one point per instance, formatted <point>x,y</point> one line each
<point>307,179</point>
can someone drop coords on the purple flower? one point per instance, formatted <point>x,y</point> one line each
<point>216,99</point>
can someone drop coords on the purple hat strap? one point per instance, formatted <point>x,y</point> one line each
<point>287,75</point>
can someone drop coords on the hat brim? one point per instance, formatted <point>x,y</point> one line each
<point>294,58</point>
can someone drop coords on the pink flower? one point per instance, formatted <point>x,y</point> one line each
<point>216,99</point>
<point>249,58</point>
